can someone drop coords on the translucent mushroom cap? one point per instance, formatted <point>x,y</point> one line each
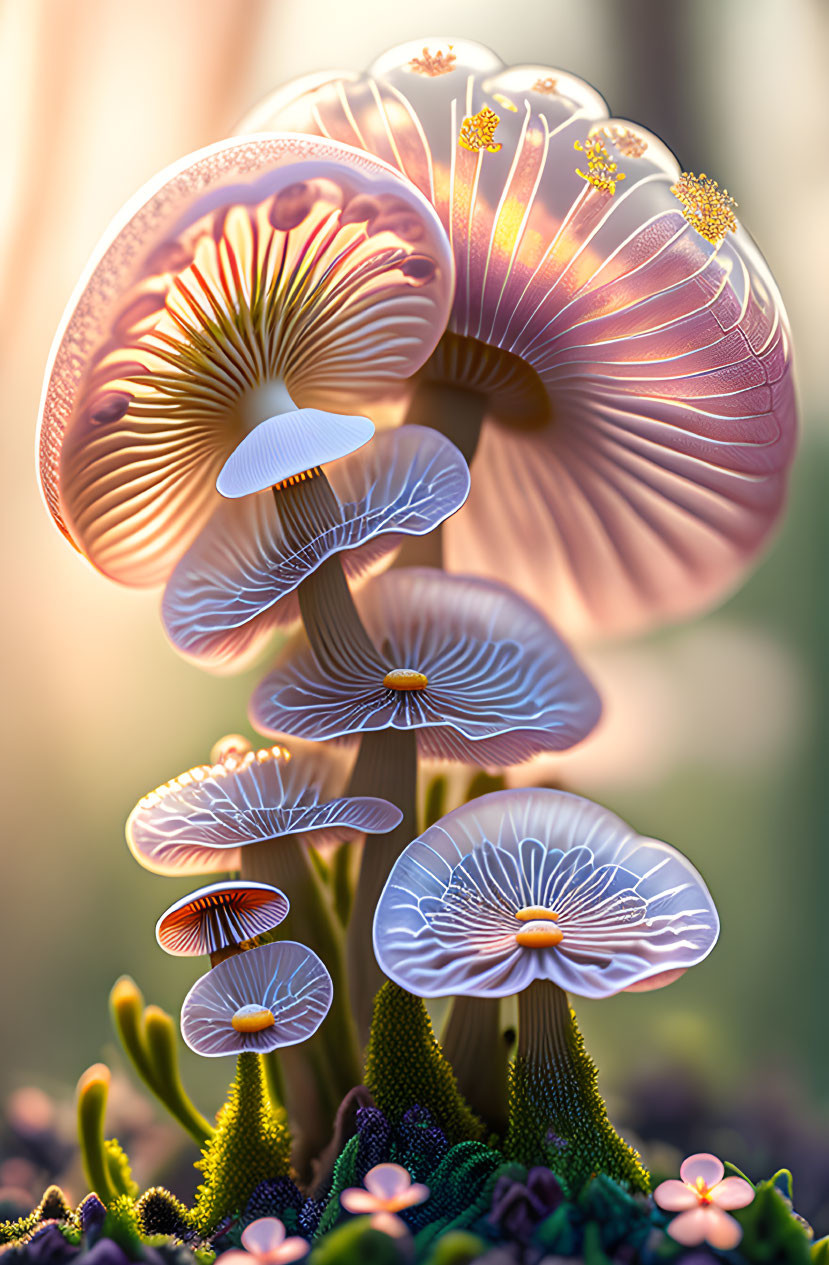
<point>278,994</point>
<point>199,822</point>
<point>629,337</point>
<point>238,581</point>
<point>476,670</point>
<point>280,280</point>
<point>219,915</point>
<point>536,884</point>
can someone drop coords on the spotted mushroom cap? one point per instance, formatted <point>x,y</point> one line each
<point>628,333</point>
<point>238,581</point>
<point>266,998</point>
<point>539,884</point>
<point>218,915</point>
<point>476,670</point>
<point>199,822</point>
<point>279,281</point>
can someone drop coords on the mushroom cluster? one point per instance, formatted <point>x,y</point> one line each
<point>617,359</point>
<point>482,255</point>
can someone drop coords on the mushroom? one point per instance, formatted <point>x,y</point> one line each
<point>270,997</point>
<point>239,316</point>
<point>618,359</point>
<point>259,812</point>
<point>534,892</point>
<point>220,919</point>
<point>468,671</point>
<point>243,575</point>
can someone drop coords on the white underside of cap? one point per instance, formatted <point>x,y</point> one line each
<point>288,444</point>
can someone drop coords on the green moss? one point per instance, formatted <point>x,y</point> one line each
<point>123,1227</point>
<point>251,1144</point>
<point>344,1175</point>
<point>13,1231</point>
<point>118,1166</point>
<point>557,1115</point>
<point>355,1243</point>
<point>159,1212</point>
<point>405,1066</point>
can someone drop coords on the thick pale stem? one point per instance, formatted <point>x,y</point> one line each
<point>544,1024</point>
<point>386,766</point>
<point>457,412</point>
<point>336,633</point>
<point>474,1045</point>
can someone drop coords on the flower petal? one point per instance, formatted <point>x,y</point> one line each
<point>702,1166</point>
<point>387,1181</point>
<point>732,1192</point>
<point>675,1196</point>
<point>417,1193</point>
<point>292,1249</point>
<point>263,1235</point>
<point>355,1199</point>
<point>389,1224</point>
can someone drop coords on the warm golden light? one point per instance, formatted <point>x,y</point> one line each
<point>405,679</point>
<point>252,1019</point>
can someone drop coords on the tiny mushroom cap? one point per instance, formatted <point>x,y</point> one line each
<point>537,884</point>
<point>199,822</point>
<point>476,670</point>
<point>219,915</point>
<point>237,582</point>
<point>627,334</point>
<point>269,997</point>
<point>244,301</point>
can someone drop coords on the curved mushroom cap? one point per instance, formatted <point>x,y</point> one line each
<point>475,669</point>
<point>218,915</point>
<point>258,277</point>
<point>199,822</point>
<point>634,349</point>
<point>540,884</point>
<point>238,581</point>
<point>278,994</point>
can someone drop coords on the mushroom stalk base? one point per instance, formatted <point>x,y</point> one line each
<point>556,1114</point>
<point>327,1066</point>
<point>386,766</point>
<point>474,1045</point>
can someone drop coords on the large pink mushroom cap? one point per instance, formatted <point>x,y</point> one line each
<point>626,333</point>
<point>240,315</point>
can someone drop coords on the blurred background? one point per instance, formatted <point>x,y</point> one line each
<point>716,732</point>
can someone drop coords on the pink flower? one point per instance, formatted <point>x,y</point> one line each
<point>264,1242</point>
<point>388,1189</point>
<point>701,1198</point>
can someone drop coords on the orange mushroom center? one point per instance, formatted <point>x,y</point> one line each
<point>539,931</point>
<point>252,1019</point>
<point>405,679</point>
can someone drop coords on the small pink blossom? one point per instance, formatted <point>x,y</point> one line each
<point>264,1242</point>
<point>388,1189</point>
<point>701,1199</point>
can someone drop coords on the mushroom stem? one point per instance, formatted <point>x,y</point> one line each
<point>335,630</point>
<point>332,1053</point>
<point>386,766</point>
<point>456,411</point>
<point>474,1044</point>
<point>556,1114</point>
